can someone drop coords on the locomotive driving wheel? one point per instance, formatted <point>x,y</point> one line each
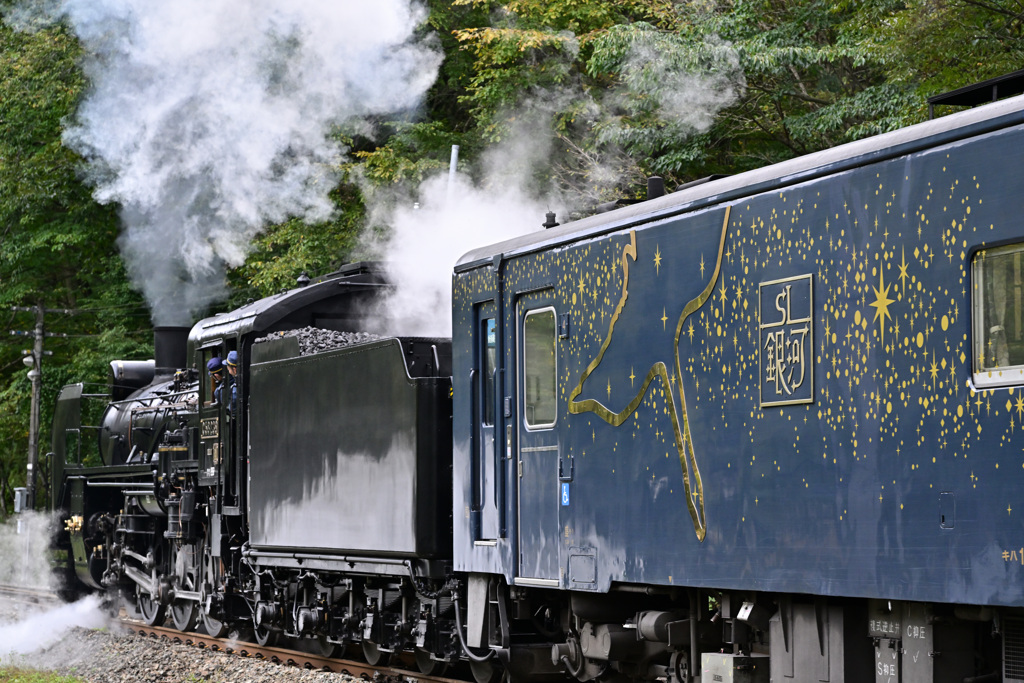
<point>318,645</point>
<point>212,572</point>
<point>150,610</point>
<point>213,627</point>
<point>265,636</point>
<point>185,613</point>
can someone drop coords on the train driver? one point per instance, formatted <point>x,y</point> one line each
<point>232,379</point>
<point>215,368</point>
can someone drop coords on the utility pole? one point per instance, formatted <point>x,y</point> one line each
<point>34,360</point>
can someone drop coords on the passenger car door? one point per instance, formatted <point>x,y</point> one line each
<point>536,355</point>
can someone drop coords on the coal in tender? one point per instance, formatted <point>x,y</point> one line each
<point>317,340</point>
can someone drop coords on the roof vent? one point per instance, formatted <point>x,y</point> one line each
<point>550,222</point>
<point>655,187</point>
<point>302,280</point>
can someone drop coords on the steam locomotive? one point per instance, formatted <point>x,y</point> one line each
<point>760,428</point>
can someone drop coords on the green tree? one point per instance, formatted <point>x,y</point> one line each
<point>57,246</point>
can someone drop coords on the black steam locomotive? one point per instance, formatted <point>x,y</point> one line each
<point>765,427</point>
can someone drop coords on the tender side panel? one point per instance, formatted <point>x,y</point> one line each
<point>346,454</point>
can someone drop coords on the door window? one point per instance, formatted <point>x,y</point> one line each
<point>539,369</point>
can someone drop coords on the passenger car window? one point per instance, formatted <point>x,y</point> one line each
<point>489,366</point>
<point>998,317</point>
<point>539,368</point>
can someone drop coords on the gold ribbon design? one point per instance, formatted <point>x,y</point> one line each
<point>692,483</point>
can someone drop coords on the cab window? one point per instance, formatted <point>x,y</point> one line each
<point>208,383</point>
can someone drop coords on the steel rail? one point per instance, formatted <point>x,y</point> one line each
<point>284,656</point>
<point>28,594</point>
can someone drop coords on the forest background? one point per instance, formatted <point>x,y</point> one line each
<point>618,90</point>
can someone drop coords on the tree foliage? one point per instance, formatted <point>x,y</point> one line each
<point>57,246</point>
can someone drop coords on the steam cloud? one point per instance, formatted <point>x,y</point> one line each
<point>429,232</point>
<point>208,119</point>
<point>24,546</point>
<point>25,563</point>
<point>505,201</point>
<point>43,629</point>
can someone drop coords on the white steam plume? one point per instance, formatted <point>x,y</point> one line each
<point>42,629</point>
<point>423,244</point>
<point>25,542</point>
<point>208,119</point>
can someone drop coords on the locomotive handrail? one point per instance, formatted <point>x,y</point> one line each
<point>112,485</point>
<point>162,406</point>
<point>111,475</point>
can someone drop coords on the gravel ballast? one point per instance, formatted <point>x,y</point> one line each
<point>117,656</point>
<point>109,652</point>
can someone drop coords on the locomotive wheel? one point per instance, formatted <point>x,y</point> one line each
<point>150,611</point>
<point>319,646</point>
<point>214,627</point>
<point>373,654</point>
<point>485,672</point>
<point>427,665</point>
<point>184,614</point>
<point>266,637</point>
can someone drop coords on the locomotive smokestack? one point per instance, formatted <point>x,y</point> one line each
<point>170,348</point>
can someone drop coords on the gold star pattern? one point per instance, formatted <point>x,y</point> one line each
<point>881,303</point>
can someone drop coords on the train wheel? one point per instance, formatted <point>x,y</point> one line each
<point>184,614</point>
<point>318,646</point>
<point>427,665</point>
<point>214,627</point>
<point>150,611</point>
<point>485,672</point>
<point>374,655</point>
<point>266,637</point>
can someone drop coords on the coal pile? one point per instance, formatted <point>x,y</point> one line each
<point>317,340</point>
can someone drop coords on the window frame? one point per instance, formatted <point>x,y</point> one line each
<point>982,376</point>
<point>540,426</point>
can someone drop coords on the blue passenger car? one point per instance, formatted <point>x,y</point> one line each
<point>792,396</point>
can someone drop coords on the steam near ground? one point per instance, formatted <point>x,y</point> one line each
<point>26,628</point>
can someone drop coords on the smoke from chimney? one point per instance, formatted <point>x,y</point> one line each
<point>209,119</point>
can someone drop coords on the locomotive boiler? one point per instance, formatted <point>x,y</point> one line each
<point>762,428</point>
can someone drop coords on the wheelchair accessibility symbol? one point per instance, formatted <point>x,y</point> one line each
<point>565,494</point>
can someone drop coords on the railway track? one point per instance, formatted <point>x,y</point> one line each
<point>28,595</point>
<point>286,657</point>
